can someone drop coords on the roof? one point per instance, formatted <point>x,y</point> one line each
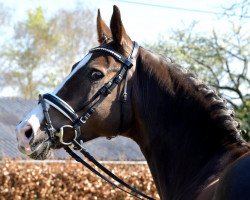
<point>12,110</point>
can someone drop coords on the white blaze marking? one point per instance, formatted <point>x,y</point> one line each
<point>35,117</point>
<point>79,66</point>
<point>34,121</point>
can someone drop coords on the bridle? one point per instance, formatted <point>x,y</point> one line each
<point>95,101</point>
<point>77,121</point>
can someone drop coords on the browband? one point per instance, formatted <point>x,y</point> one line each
<point>77,121</point>
<point>64,107</point>
<point>119,57</point>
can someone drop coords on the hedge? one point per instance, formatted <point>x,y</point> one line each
<point>69,181</point>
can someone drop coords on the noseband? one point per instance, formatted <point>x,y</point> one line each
<point>70,113</point>
<point>78,121</point>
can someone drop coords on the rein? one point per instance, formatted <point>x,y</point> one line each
<point>78,121</point>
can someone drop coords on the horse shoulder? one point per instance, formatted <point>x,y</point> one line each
<point>208,192</point>
<point>234,183</point>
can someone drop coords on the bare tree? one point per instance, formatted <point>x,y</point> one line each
<point>222,60</point>
<point>76,34</point>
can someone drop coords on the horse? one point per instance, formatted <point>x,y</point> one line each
<point>190,138</point>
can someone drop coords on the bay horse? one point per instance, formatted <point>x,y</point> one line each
<point>189,137</point>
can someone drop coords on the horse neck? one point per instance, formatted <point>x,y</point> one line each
<point>176,136</point>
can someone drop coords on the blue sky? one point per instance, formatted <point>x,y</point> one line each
<point>143,23</point>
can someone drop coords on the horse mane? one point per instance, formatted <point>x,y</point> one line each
<point>175,78</point>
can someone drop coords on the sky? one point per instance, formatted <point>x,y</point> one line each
<point>144,20</point>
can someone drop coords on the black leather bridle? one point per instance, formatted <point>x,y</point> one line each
<point>78,121</point>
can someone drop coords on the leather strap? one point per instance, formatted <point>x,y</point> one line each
<point>105,170</point>
<point>69,112</point>
<point>61,106</point>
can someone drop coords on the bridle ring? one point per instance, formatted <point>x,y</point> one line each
<point>61,132</point>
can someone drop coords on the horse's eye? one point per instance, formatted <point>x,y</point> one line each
<point>96,75</point>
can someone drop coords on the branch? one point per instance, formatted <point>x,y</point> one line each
<point>209,68</point>
<point>232,103</point>
<point>236,90</point>
<point>233,55</point>
<point>245,68</point>
<point>230,74</point>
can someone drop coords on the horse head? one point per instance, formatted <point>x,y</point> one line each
<point>98,83</point>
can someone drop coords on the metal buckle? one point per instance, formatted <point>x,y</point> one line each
<point>82,120</point>
<point>61,132</point>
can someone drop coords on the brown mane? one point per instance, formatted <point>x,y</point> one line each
<point>174,78</point>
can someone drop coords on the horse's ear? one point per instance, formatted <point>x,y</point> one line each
<point>118,32</point>
<point>103,31</point>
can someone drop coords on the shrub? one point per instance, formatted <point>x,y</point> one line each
<point>69,180</point>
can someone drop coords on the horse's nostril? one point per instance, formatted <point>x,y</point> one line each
<point>28,133</point>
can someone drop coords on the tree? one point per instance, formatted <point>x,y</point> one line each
<point>76,33</point>
<point>42,45</point>
<point>238,10</point>
<point>4,15</point>
<point>222,60</point>
<point>28,49</point>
